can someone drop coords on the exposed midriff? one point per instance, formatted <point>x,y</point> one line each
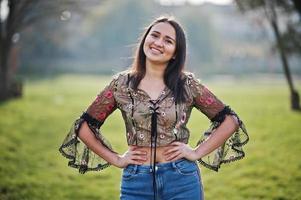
<point>160,157</point>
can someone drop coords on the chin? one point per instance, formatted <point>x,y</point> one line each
<point>156,59</point>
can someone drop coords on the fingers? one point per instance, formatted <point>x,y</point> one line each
<point>177,143</point>
<point>171,150</point>
<point>137,152</point>
<point>177,151</point>
<point>134,162</point>
<point>139,158</point>
<point>174,155</point>
<point>177,146</point>
<point>136,156</point>
<point>176,158</point>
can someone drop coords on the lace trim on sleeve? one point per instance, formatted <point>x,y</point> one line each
<point>231,150</point>
<point>93,122</point>
<point>79,155</point>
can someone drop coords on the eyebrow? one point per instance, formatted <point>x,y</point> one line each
<point>166,36</point>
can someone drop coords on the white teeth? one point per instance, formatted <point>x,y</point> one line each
<point>156,51</point>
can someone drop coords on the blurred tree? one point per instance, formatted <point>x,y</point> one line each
<point>17,15</point>
<point>298,5</point>
<point>281,16</point>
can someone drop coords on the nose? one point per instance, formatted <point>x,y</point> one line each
<point>159,42</point>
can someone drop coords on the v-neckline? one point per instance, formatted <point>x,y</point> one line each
<point>159,96</point>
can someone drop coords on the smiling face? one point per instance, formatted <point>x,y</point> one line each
<point>160,43</point>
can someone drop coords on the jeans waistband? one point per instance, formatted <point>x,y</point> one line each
<point>147,168</point>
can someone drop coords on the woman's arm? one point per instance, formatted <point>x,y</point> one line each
<point>87,137</point>
<point>130,157</point>
<point>85,146</point>
<point>223,141</point>
<point>217,138</point>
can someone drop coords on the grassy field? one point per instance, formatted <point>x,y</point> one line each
<point>32,128</point>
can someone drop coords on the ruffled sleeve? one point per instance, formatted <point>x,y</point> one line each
<point>205,101</point>
<point>79,155</point>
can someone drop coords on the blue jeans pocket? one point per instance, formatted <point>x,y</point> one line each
<point>186,167</point>
<point>128,174</point>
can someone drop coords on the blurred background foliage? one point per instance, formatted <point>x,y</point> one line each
<point>221,40</point>
<point>43,38</point>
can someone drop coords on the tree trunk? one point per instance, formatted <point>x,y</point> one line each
<point>295,99</point>
<point>297,4</point>
<point>3,72</point>
<point>9,87</point>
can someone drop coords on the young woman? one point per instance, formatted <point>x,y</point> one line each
<point>155,97</point>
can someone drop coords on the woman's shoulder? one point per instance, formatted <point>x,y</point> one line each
<point>189,77</point>
<point>121,77</point>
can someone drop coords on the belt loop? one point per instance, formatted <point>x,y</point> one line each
<point>173,164</point>
<point>135,169</point>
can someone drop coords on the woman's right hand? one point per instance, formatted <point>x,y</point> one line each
<point>131,156</point>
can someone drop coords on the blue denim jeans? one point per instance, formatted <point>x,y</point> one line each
<point>178,180</point>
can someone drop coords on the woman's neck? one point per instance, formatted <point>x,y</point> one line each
<point>155,71</point>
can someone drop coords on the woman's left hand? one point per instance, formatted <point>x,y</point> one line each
<point>180,150</point>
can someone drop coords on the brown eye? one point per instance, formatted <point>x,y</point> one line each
<point>154,35</point>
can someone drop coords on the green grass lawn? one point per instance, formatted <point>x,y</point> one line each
<point>32,128</point>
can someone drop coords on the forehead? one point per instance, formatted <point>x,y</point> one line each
<point>164,28</point>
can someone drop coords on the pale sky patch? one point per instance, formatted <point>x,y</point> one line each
<point>4,10</point>
<point>194,2</point>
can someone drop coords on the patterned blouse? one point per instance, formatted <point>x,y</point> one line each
<point>138,109</point>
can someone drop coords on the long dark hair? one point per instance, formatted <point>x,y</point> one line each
<point>175,67</point>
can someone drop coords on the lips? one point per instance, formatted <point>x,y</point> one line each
<point>156,50</point>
